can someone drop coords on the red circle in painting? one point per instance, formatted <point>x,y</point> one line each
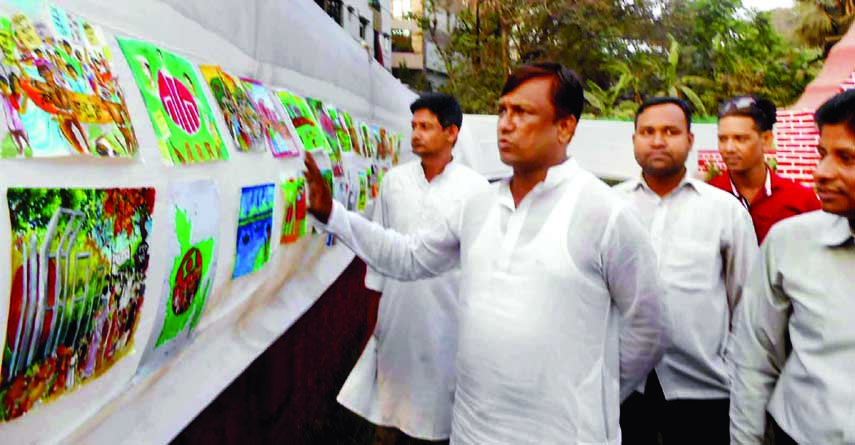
<point>179,103</point>
<point>187,281</point>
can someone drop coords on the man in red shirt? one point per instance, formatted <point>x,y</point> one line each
<point>744,133</point>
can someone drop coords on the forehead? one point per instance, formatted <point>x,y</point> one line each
<point>424,115</point>
<point>837,136</point>
<point>536,91</point>
<point>736,124</point>
<point>663,115</point>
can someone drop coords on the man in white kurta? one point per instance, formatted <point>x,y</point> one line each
<point>405,376</point>
<point>705,244</point>
<point>559,312</point>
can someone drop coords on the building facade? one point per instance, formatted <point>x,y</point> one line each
<point>369,22</point>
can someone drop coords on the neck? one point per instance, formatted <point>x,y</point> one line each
<point>434,165</point>
<point>663,185</point>
<point>524,180</point>
<point>750,180</point>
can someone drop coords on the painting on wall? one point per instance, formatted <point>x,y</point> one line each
<point>294,221</point>
<point>304,122</point>
<point>328,128</point>
<point>341,132</point>
<point>351,127</point>
<point>244,125</point>
<point>59,94</point>
<point>192,263</point>
<point>182,119</point>
<point>79,261</point>
<point>255,225</point>
<point>276,126</point>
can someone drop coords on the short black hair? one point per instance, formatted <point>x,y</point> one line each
<point>662,100</point>
<point>444,106</point>
<point>568,95</point>
<point>840,109</point>
<point>762,111</point>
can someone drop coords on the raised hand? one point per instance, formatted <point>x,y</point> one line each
<point>320,196</point>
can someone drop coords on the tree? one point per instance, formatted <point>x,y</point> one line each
<point>824,22</point>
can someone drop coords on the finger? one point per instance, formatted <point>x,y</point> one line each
<point>311,165</point>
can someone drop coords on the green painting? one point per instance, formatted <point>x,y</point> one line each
<point>192,253</point>
<point>182,119</point>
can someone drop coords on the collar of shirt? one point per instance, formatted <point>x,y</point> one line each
<point>420,172</point>
<point>555,176</point>
<point>767,189</point>
<point>838,232</point>
<point>687,181</point>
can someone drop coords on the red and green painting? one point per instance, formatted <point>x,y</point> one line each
<point>79,261</point>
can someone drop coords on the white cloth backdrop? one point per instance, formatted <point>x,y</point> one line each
<point>284,43</point>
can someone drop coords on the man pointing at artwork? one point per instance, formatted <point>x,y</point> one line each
<point>559,316</point>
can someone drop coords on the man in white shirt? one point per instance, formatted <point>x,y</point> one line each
<point>793,350</point>
<point>559,310</point>
<point>404,380</point>
<point>705,243</point>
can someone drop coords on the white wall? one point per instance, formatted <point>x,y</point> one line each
<point>601,146</point>
<point>286,43</point>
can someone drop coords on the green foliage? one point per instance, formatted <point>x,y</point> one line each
<point>702,50</point>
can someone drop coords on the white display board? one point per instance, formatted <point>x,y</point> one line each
<point>283,43</point>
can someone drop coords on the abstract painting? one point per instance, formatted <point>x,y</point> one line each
<point>255,225</point>
<point>79,260</point>
<point>294,222</point>
<point>59,94</point>
<point>182,119</point>
<point>275,123</point>
<point>244,125</point>
<point>192,262</point>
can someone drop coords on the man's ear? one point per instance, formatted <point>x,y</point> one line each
<point>451,133</point>
<point>768,138</point>
<point>566,129</point>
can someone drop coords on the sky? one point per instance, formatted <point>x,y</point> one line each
<point>764,5</point>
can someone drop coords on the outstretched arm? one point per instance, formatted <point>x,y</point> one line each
<point>405,257</point>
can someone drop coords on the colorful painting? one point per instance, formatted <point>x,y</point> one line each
<point>351,126</point>
<point>255,225</point>
<point>192,256</point>
<point>294,222</point>
<point>328,127</point>
<point>239,114</point>
<point>368,141</point>
<point>182,119</point>
<point>79,259</point>
<point>341,130</point>
<point>304,121</point>
<point>363,192</point>
<point>59,94</point>
<point>277,128</point>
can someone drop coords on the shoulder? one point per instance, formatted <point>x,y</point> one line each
<point>467,175</point>
<point>626,187</point>
<point>716,195</point>
<point>803,227</point>
<point>721,181</point>
<point>793,188</point>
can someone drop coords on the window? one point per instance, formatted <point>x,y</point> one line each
<point>363,27</point>
<point>374,4</point>
<point>401,8</point>
<point>333,9</point>
<point>402,40</point>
